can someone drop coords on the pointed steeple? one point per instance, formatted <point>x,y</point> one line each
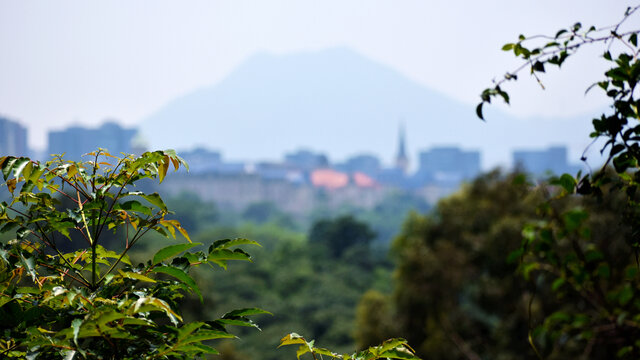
<point>402,161</point>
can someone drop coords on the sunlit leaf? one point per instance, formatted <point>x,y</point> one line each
<point>171,251</point>
<point>180,275</point>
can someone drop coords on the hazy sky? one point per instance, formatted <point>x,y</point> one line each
<point>72,62</point>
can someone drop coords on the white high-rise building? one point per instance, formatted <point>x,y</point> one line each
<point>13,138</point>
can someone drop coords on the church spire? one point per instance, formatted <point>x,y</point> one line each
<point>402,161</point>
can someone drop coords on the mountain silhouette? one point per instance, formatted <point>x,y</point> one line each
<point>341,103</point>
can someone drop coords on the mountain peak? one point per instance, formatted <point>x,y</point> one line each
<point>336,101</point>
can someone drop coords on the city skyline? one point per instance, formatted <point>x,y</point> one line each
<point>126,64</point>
<point>427,161</point>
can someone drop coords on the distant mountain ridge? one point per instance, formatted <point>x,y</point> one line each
<point>339,102</point>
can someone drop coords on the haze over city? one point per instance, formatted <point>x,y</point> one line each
<point>80,64</point>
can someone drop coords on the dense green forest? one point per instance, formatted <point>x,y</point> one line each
<point>310,272</point>
<point>450,282</point>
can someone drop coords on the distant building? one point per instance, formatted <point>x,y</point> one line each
<point>279,171</point>
<point>393,177</point>
<point>76,141</point>
<point>367,164</point>
<point>448,165</point>
<point>540,162</point>
<point>329,179</point>
<point>306,160</point>
<point>204,161</point>
<point>13,138</point>
<point>201,160</point>
<point>402,160</point>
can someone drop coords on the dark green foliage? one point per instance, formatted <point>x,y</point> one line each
<point>192,213</point>
<point>373,319</point>
<point>340,235</point>
<point>262,212</point>
<point>455,295</point>
<point>585,254</point>
<point>306,291</point>
<point>579,254</point>
<point>458,295</point>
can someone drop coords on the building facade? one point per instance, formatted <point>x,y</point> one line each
<point>13,138</point>
<point>448,165</point>
<point>540,162</point>
<point>76,141</point>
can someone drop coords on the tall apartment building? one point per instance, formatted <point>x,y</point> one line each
<point>448,164</point>
<point>306,160</point>
<point>76,141</point>
<point>539,162</point>
<point>368,164</point>
<point>13,138</point>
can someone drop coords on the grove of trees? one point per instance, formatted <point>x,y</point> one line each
<point>508,268</point>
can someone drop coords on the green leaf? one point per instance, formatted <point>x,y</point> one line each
<point>164,166</point>
<point>528,268</point>
<point>574,218</point>
<point>237,321</point>
<point>7,166</point>
<point>206,349</point>
<point>391,344</point>
<point>108,317</point>
<point>593,255</point>
<point>292,339</point>
<point>624,351</point>
<point>101,252</point>
<point>515,255</point>
<point>625,295</point>
<point>537,66</point>
<point>29,263</point>
<point>75,325</point>
<point>188,329</point>
<point>603,270</point>
<point>204,334</point>
<point>567,182</point>
<point>326,352</point>
<point>246,312</point>
<point>227,243</point>
<point>399,353</point>
<point>135,276</point>
<point>479,111</point>
<point>136,206</point>
<point>560,33</point>
<point>226,254</point>
<point>176,160</point>
<point>559,317</point>
<point>508,47</point>
<point>557,283</point>
<point>145,304</point>
<point>19,166</point>
<point>180,275</point>
<point>171,250</point>
<point>155,199</point>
